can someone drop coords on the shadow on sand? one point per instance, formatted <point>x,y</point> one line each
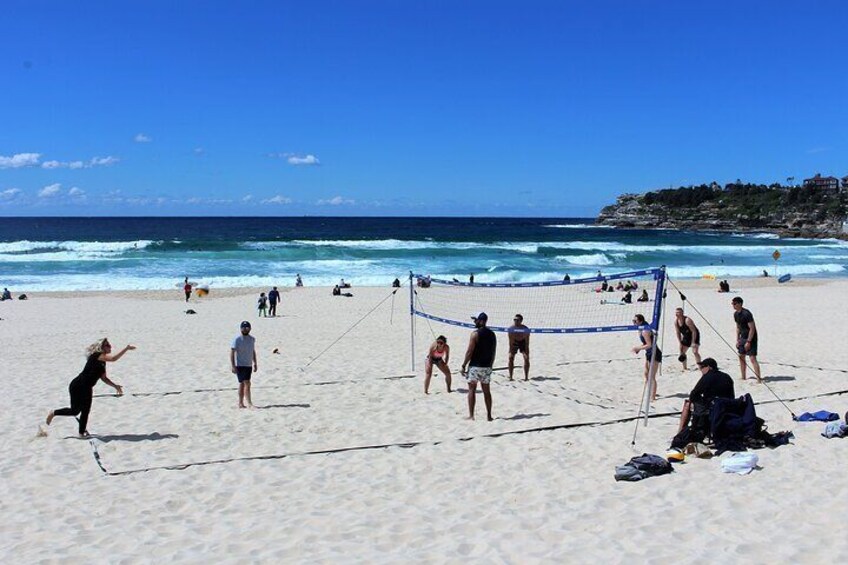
<point>525,416</point>
<point>283,406</point>
<point>155,436</point>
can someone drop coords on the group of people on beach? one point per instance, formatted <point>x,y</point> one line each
<point>477,365</point>
<point>479,359</point>
<point>689,337</point>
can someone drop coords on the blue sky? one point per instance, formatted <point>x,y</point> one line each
<point>444,108</point>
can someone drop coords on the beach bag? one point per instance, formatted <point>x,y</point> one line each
<point>642,467</point>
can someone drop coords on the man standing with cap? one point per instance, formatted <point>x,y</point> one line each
<point>477,366</point>
<point>243,362</point>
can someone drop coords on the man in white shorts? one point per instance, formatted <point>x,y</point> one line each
<point>479,358</point>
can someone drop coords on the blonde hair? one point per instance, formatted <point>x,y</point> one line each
<point>96,347</point>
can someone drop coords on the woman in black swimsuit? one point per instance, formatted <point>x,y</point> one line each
<point>688,336</point>
<point>82,387</point>
<point>646,336</point>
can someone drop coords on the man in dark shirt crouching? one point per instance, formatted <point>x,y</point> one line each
<point>712,384</point>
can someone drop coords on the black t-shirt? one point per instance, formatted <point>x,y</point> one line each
<point>742,318</point>
<point>714,384</point>
<point>93,370</point>
<point>484,352</point>
<point>274,296</point>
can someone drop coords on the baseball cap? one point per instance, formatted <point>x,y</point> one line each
<point>709,362</point>
<point>481,316</point>
<point>245,324</point>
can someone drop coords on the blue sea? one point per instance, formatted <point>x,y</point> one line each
<point>39,254</point>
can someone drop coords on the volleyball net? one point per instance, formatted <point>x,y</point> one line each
<point>604,303</point>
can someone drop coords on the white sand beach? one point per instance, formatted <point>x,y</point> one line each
<point>230,485</point>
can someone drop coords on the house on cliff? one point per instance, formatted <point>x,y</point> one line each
<point>824,183</point>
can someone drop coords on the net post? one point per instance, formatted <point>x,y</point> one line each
<point>411,324</point>
<point>659,304</point>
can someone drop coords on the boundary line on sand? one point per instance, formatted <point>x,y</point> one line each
<point>183,466</point>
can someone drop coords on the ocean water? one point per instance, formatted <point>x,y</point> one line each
<point>40,254</point>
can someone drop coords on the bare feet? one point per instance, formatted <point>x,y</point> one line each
<point>50,416</point>
<point>469,417</point>
<point>490,419</point>
<point>85,435</point>
<point>242,406</point>
<point>526,379</point>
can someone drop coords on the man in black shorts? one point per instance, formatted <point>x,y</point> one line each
<point>746,337</point>
<point>688,336</point>
<point>243,362</point>
<point>519,340</point>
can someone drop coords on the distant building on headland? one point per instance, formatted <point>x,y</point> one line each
<point>825,183</point>
<point>845,183</point>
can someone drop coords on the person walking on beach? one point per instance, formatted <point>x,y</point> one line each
<point>187,289</point>
<point>746,338</point>
<point>298,281</point>
<point>477,366</point>
<point>273,298</point>
<point>262,305</point>
<point>81,388</point>
<point>243,362</point>
<point>438,356</point>
<point>519,340</point>
<point>646,336</point>
<point>687,335</point>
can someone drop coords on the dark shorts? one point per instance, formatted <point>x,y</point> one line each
<point>740,347</point>
<point>518,346</point>
<point>687,342</point>
<point>648,355</point>
<point>436,361</point>
<point>244,373</point>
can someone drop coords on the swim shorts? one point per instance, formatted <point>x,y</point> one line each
<point>518,346</point>
<point>740,347</point>
<point>648,355</point>
<point>482,375</point>
<point>244,373</point>
<point>687,342</point>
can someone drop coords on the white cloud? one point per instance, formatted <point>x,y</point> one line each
<point>76,192</point>
<point>103,161</point>
<point>247,198</point>
<point>199,151</point>
<point>278,200</point>
<point>19,160</point>
<point>49,190</point>
<point>93,162</point>
<point>10,193</point>
<point>305,160</point>
<point>336,201</point>
<point>142,138</point>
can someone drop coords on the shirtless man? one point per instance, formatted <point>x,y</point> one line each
<point>519,340</point>
<point>688,335</point>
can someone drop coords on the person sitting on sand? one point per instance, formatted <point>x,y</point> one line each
<point>438,356</point>
<point>627,298</point>
<point>566,278</point>
<point>81,388</point>
<point>337,291</point>
<point>644,296</point>
<point>724,286</point>
<point>6,294</point>
<point>396,283</point>
<point>712,384</point>
<point>646,336</point>
<point>619,286</point>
